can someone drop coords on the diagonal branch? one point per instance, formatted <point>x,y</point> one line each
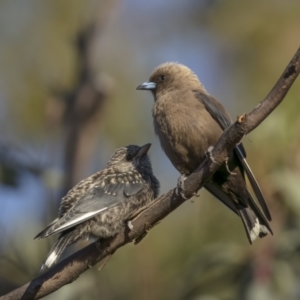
<point>70,269</point>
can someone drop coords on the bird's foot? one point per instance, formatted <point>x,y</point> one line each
<point>148,226</point>
<point>195,195</point>
<point>146,230</point>
<point>227,168</point>
<point>209,153</point>
<point>138,239</point>
<point>180,187</point>
<point>129,225</point>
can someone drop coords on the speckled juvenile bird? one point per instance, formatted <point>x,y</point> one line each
<point>188,121</point>
<point>99,206</point>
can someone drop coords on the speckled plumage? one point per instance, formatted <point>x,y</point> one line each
<point>188,121</point>
<point>99,205</point>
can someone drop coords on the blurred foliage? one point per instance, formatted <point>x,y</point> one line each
<point>239,49</point>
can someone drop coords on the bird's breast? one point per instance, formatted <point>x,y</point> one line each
<point>185,130</point>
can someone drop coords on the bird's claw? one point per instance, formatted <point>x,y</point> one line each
<point>146,230</point>
<point>180,187</point>
<point>149,226</point>
<point>129,224</point>
<point>138,239</point>
<point>227,168</point>
<point>209,153</point>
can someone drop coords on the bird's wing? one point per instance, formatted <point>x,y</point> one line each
<point>221,195</point>
<point>215,108</point>
<point>98,199</point>
<point>220,115</point>
<point>257,191</point>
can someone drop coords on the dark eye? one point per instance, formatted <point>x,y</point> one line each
<point>128,157</point>
<point>162,77</point>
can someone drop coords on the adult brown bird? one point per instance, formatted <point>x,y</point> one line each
<point>188,121</point>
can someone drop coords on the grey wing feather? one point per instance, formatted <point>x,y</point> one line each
<point>258,213</point>
<point>253,183</point>
<point>133,189</point>
<point>242,150</point>
<point>98,199</point>
<point>216,109</point>
<point>220,195</point>
<point>114,189</point>
<point>39,235</point>
<point>218,112</point>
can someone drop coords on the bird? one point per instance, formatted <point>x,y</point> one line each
<point>189,122</point>
<point>100,205</point>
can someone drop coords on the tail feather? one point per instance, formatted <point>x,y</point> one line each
<point>56,251</point>
<point>255,223</point>
<point>240,151</point>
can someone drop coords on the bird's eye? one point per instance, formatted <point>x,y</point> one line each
<point>128,157</point>
<point>162,77</point>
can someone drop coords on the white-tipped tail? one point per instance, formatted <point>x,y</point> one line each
<point>254,226</point>
<point>254,232</point>
<point>258,230</point>
<point>56,251</point>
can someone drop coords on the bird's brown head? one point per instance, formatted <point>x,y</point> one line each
<point>170,77</point>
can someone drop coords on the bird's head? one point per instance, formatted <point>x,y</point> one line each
<point>126,158</point>
<point>170,77</point>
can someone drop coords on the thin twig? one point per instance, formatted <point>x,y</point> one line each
<point>104,262</point>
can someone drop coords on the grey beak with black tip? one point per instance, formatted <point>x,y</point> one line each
<point>147,86</point>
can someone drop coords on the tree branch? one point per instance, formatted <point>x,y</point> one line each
<point>70,269</point>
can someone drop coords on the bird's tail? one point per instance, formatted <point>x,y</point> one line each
<point>254,221</point>
<point>56,251</point>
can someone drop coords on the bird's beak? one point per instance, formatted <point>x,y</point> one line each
<point>147,86</point>
<point>144,150</point>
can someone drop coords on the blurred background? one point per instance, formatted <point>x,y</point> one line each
<point>68,74</point>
